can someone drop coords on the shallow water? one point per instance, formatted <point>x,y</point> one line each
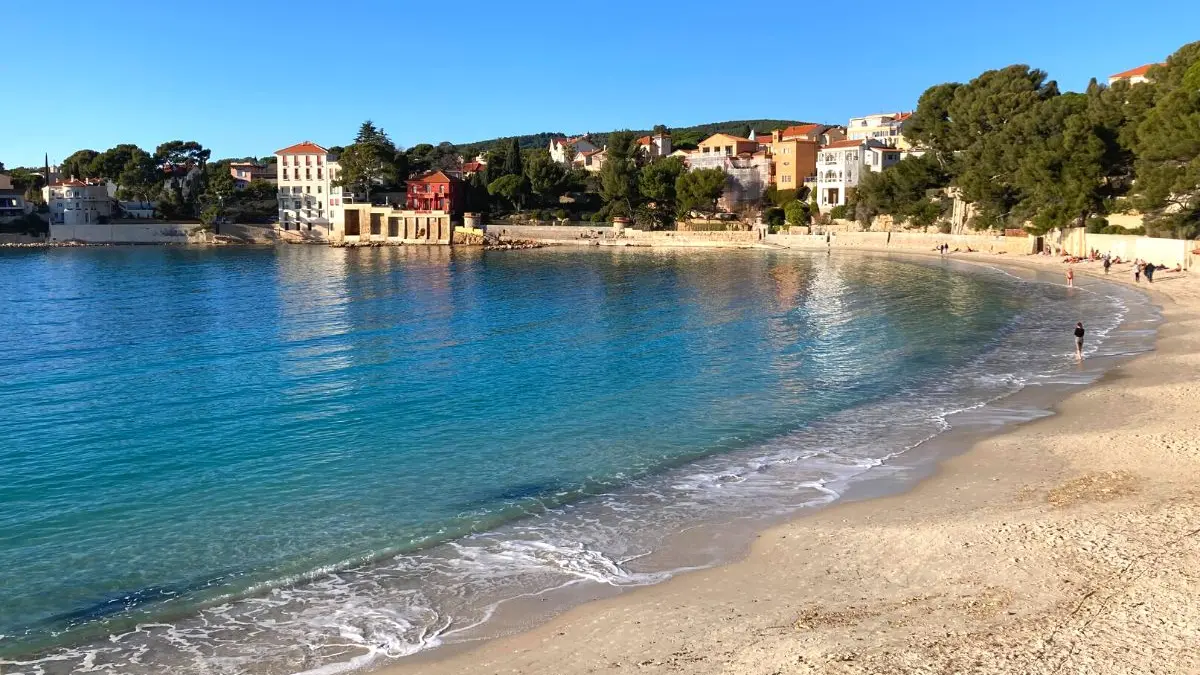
<point>309,459</point>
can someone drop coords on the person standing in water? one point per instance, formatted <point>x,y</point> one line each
<point>1070,277</point>
<point>1079,341</point>
<point>1107,263</point>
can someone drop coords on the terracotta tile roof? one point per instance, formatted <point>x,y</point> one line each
<point>437,176</point>
<point>1140,71</point>
<point>472,166</point>
<point>800,130</point>
<point>902,116</point>
<point>303,148</point>
<point>644,140</point>
<point>75,182</point>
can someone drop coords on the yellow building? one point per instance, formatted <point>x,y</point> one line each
<point>792,160</point>
<point>363,223</point>
<point>726,145</point>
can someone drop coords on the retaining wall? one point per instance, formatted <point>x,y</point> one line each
<point>607,235</point>
<point>128,233</point>
<point>910,241</point>
<point>1170,252</point>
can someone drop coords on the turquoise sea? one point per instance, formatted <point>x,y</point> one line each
<point>307,459</point>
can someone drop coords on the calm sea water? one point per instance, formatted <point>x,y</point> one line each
<point>308,459</point>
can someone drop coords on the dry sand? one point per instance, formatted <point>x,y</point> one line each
<point>1069,545</point>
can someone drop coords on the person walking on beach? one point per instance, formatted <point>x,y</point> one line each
<point>1150,272</point>
<point>1079,341</point>
<point>1137,272</point>
<point>1070,277</point>
<point>1107,263</point>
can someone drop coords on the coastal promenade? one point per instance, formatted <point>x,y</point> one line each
<point>1068,545</point>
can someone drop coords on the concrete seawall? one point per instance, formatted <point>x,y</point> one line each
<point>608,236</point>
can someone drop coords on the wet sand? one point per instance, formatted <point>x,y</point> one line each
<point>1070,545</point>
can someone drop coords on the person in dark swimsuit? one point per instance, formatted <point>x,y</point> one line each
<point>1079,341</point>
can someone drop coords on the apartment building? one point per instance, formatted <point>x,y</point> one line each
<point>794,158</point>
<point>840,167</point>
<point>245,172</point>
<point>308,201</point>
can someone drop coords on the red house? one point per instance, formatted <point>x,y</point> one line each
<point>434,191</point>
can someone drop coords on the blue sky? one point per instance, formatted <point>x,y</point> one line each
<point>248,77</point>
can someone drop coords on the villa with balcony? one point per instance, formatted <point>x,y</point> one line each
<point>434,191</point>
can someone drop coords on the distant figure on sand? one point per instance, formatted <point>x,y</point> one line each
<point>1070,277</point>
<point>1137,272</point>
<point>1149,270</point>
<point>1079,341</point>
<point>1107,264</point>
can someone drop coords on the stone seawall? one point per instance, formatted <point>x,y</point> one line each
<point>608,236</point>
<point>906,241</point>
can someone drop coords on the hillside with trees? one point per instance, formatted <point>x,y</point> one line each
<point>685,137</point>
<point>1026,155</point>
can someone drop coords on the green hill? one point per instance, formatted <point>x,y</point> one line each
<point>684,137</point>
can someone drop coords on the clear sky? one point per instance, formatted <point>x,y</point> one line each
<point>248,77</point>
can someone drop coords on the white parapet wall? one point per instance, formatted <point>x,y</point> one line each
<point>129,233</point>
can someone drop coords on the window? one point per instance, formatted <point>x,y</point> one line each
<point>308,189</point>
<point>376,223</point>
<point>318,174</point>
<point>318,189</point>
<point>787,179</point>
<point>285,174</point>
<point>729,149</point>
<point>393,227</point>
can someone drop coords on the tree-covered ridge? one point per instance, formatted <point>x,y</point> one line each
<point>680,137</point>
<point>1027,155</point>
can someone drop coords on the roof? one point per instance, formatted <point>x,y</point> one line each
<point>644,140</point>
<point>472,166</point>
<point>303,148</point>
<point>437,176</point>
<point>902,116</point>
<point>1140,71</point>
<point>800,130</point>
<point>848,143</point>
<point>75,182</point>
<point>730,136</point>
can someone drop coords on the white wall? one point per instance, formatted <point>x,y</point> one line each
<point>125,233</point>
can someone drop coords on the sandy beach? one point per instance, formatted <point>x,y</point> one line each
<point>1068,545</point>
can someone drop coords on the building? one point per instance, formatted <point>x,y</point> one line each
<point>388,224</point>
<point>12,202</point>
<point>794,158</point>
<point>308,201</point>
<point>78,202</point>
<point>747,174</point>
<point>567,150</point>
<point>245,172</point>
<point>473,167</point>
<point>887,128</point>
<point>592,160</point>
<point>840,166</point>
<point>655,146</point>
<point>434,192</point>
<point>726,145</point>
<point>1134,76</point>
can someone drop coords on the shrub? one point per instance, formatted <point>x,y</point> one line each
<point>597,217</point>
<point>839,212</point>
<point>561,214</point>
<point>774,216</point>
<point>797,213</point>
<point>1097,225</point>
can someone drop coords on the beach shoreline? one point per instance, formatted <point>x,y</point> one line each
<point>1013,555</point>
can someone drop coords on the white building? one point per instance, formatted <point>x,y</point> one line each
<point>77,202</point>
<point>559,148</point>
<point>308,201</point>
<point>883,127</point>
<point>840,166</point>
<point>655,146</point>
<point>1133,76</point>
